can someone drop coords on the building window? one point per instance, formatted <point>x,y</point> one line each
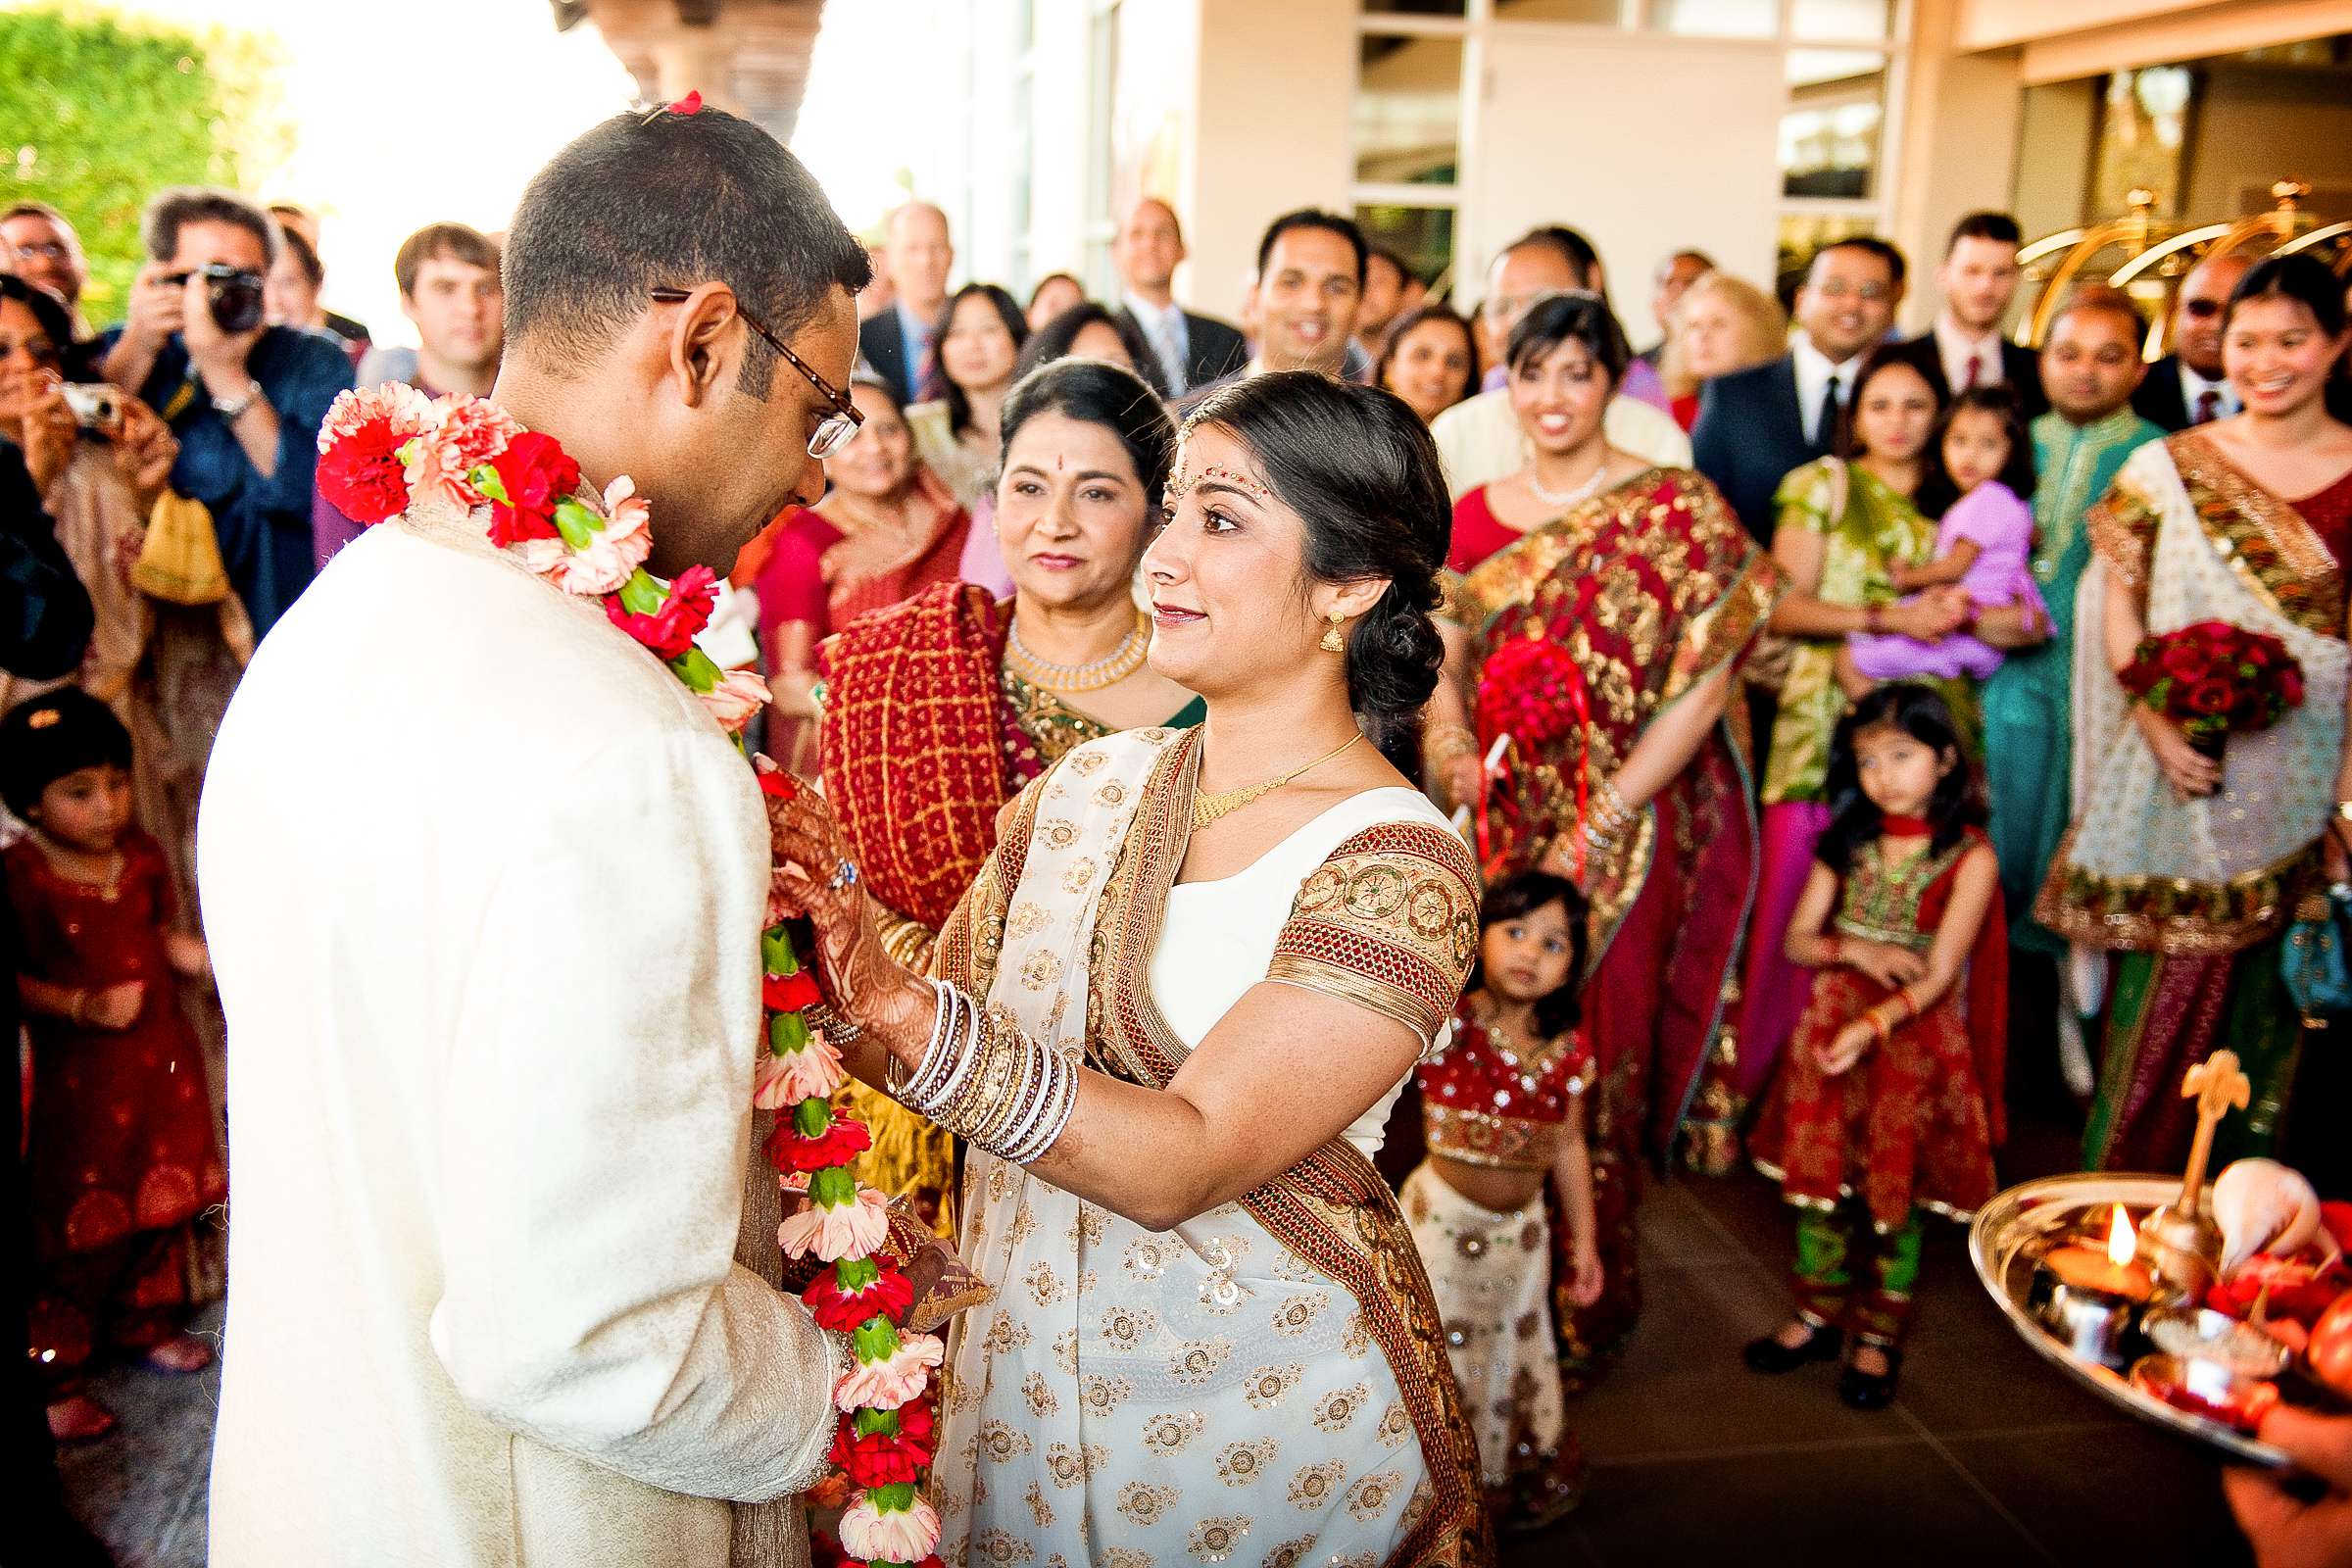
<point>1422,235</point>
<point>1409,110</point>
<point>1717,18</point>
<point>1841,21</point>
<point>1591,13</point>
<point>1830,136</point>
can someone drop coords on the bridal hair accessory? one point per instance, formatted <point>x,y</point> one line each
<point>1182,485</point>
<point>1330,642</point>
<point>387,448</point>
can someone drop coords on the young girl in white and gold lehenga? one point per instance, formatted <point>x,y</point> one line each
<point>1171,1016</point>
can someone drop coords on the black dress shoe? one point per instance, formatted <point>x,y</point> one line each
<point>1770,1356</point>
<point>1870,1391</point>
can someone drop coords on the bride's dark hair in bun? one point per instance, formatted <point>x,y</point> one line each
<point>1357,464</point>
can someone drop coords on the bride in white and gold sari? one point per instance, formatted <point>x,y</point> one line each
<point>1171,1015</point>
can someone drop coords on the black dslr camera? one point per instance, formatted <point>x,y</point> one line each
<point>233,294</point>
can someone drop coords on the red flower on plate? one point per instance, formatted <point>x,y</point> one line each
<point>839,1144</point>
<point>882,1459</point>
<point>537,472</point>
<point>671,630</point>
<point>890,1297</point>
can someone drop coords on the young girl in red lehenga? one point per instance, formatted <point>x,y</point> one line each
<point>1503,1109</point>
<point>1888,1100</point>
<point>121,1151</point>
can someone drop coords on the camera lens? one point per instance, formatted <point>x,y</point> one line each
<point>236,299</point>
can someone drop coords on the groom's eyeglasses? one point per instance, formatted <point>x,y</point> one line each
<point>834,431</point>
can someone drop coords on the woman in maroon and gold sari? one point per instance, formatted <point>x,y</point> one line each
<point>937,711</point>
<point>1602,645</point>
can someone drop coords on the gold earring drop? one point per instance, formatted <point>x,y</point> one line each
<point>1331,643</point>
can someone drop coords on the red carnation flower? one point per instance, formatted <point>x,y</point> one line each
<point>885,1458</point>
<point>888,1296</point>
<point>844,1141</point>
<point>537,472</point>
<point>671,630</point>
<point>2186,661</point>
<point>2210,697</point>
<point>790,993</point>
<point>362,475</point>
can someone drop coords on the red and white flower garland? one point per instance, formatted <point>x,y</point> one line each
<point>381,449</point>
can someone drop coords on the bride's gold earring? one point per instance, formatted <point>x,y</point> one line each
<point>1331,642</point>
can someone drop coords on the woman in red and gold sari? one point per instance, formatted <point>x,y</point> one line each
<point>1171,1016</point>
<point>1602,645</point>
<point>886,529</point>
<point>938,711</point>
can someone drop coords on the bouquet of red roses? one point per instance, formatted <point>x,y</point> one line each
<point>2216,681</point>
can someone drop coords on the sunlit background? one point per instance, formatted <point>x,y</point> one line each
<point>409,113</point>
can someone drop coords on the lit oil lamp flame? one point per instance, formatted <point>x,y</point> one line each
<point>2122,1243</point>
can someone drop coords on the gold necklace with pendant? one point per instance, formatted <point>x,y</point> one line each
<point>1208,808</point>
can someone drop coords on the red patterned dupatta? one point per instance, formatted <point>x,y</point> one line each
<point>1626,603</point>
<point>914,744</point>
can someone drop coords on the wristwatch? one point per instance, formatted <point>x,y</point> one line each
<point>232,409</point>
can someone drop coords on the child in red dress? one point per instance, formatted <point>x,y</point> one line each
<point>1503,1112</point>
<point>1889,1101</point>
<point>120,1153</point>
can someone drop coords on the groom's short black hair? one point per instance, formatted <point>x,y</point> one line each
<point>672,200</point>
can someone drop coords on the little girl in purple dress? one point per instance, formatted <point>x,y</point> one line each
<point>1980,454</point>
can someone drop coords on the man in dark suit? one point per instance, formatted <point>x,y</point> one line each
<point>2187,386</point>
<point>1194,350</point>
<point>896,344</point>
<point>1965,348</point>
<point>1755,425</point>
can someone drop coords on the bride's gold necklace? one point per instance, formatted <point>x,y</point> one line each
<point>1208,808</point>
<point>1114,667</point>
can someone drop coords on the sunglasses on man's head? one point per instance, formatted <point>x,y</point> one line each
<point>833,433</point>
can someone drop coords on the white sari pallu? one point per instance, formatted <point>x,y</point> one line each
<point>2142,870</point>
<point>1266,1384</point>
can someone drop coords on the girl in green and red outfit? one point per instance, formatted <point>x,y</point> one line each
<point>1889,1101</point>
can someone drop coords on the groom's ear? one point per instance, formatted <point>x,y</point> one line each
<point>705,339</point>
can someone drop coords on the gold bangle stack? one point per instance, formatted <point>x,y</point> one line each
<point>985,1080</point>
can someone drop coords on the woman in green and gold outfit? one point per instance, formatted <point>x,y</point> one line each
<point>938,711</point>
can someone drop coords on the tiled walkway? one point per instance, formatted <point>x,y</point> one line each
<point>1986,1458</point>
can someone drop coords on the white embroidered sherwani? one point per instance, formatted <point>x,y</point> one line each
<point>483,884</point>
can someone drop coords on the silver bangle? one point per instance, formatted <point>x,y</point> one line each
<point>1058,1102</point>
<point>915,1086</point>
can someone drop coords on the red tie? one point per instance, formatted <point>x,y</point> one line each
<point>2209,405</point>
<point>1975,367</point>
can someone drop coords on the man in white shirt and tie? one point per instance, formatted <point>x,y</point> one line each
<point>1192,350</point>
<point>2187,386</point>
<point>1964,348</point>
<point>1755,425</point>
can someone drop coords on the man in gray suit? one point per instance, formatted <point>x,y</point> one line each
<point>1194,350</point>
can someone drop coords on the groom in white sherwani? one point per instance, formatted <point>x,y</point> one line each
<point>483,882</point>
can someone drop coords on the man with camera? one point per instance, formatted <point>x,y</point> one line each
<point>246,400</point>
